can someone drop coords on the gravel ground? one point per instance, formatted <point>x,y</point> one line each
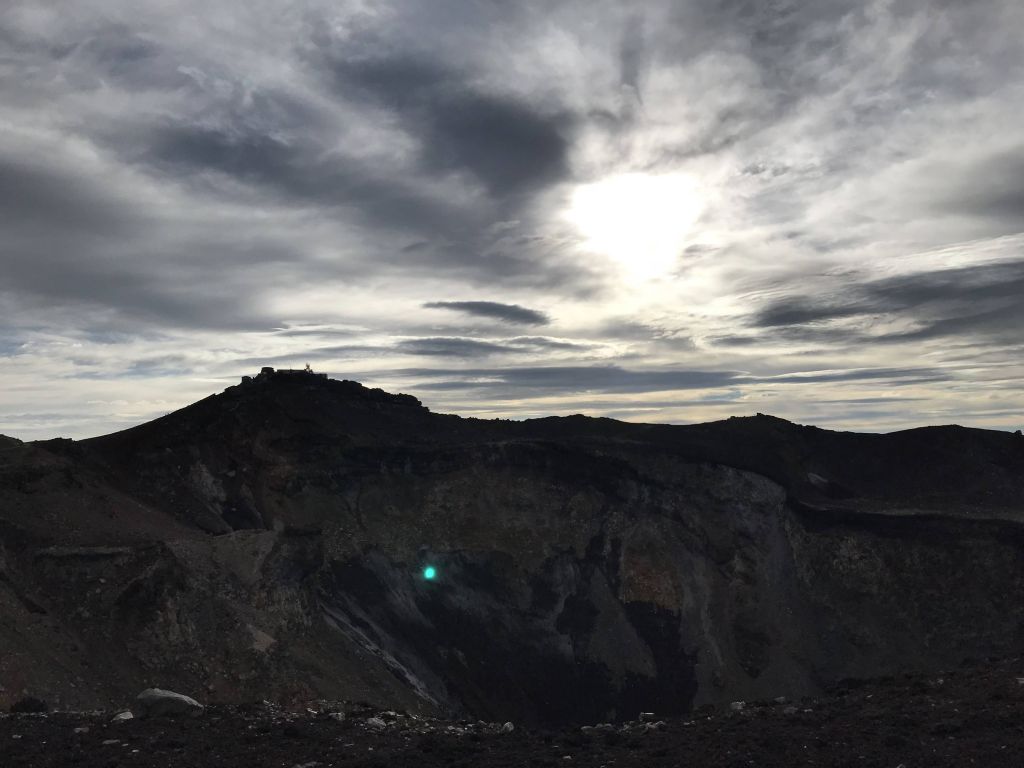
<point>973,715</point>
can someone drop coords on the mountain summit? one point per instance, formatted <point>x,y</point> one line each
<point>275,541</point>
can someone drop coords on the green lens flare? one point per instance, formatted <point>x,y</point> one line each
<point>429,572</point>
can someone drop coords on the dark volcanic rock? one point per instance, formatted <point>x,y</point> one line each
<point>268,542</point>
<point>29,704</point>
<point>971,715</point>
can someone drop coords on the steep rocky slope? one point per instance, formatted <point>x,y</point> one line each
<point>268,542</point>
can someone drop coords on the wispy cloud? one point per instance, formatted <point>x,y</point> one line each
<point>510,313</point>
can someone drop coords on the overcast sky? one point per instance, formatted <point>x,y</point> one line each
<point>656,211</point>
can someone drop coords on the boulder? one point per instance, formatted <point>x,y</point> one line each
<point>156,702</point>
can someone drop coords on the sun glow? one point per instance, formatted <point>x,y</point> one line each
<point>642,221</point>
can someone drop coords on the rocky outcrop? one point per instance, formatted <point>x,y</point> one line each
<point>269,542</point>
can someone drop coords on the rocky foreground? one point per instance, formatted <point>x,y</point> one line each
<point>973,715</point>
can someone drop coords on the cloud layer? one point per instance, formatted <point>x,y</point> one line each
<point>188,191</point>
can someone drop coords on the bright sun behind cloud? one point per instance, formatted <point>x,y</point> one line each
<point>641,221</point>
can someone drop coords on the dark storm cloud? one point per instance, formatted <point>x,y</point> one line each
<point>734,341</point>
<point>301,173</point>
<point>466,347</point>
<point>1005,322</point>
<point>33,194</point>
<point>972,286</point>
<point>300,170</point>
<point>281,148</point>
<point>451,347</point>
<point>973,302</point>
<point>543,342</point>
<point>510,147</point>
<point>135,293</point>
<point>510,313</point>
<point>508,144</point>
<point>70,240</point>
<point>801,311</point>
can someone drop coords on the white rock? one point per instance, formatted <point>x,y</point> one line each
<point>507,728</point>
<point>375,724</point>
<point>156,702</point>
<point>738,706</point>
<point>120,717</point>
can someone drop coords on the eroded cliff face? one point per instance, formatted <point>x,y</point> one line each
<point>269,543</point>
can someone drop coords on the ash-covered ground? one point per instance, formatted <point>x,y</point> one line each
<point>972,715</point>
